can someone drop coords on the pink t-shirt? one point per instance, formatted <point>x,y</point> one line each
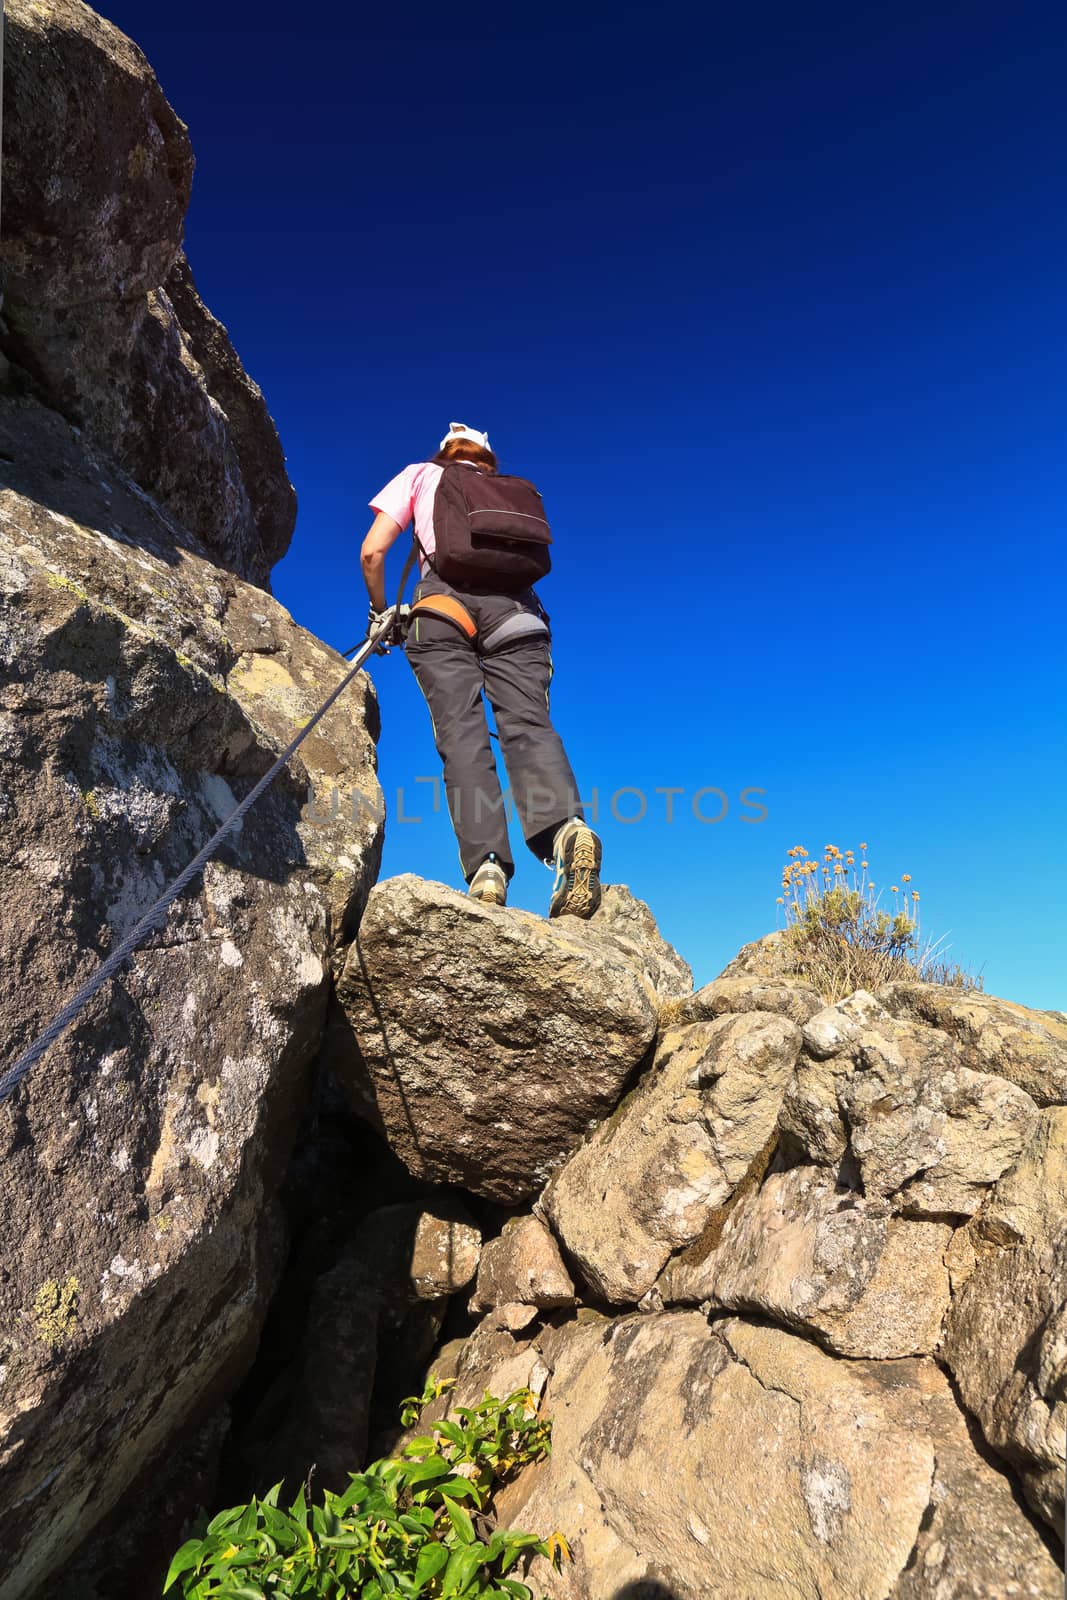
<point>411,494</point>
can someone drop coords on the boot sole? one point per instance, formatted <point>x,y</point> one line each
<point>490,897</point>
<point>583,894</point>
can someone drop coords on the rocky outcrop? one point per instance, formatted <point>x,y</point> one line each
<point>1029,1048</point>
<point>739,1459</point>
<point>145,687</point>
<point>791,1283</point>
<point>823,1183</point>
<point>651,1180</point>
<point>144,692</point>
<point>101,318</point>
<point>815,1256</point>
<point>1006,1338</point>
<point>486,1042</point>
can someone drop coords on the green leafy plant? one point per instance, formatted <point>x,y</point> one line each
<point>416,1524</point>
<point>841,936</point>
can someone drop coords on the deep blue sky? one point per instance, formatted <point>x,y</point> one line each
<point>769,301</point>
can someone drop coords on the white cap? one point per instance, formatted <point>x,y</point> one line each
<point>459,430</point>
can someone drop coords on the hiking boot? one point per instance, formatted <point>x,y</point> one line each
<point>576,891</point>
<point>489,883</point>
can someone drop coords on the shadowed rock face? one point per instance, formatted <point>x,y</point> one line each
<point>100,312</point>
<point>142,692</point>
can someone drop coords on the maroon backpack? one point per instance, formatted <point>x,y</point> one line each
<point>490,530</point>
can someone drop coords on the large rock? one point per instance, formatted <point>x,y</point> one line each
<point>807,1253</point>
<point>1006,1338</point>
<point>891,1102</point>
<point>1006,1345</point>
<point>99,307</point>
<point>634,929</point>
<point>746,993</point>
<point>522,1267</point>
<point>1027,1047</point>
<point>144,691</point>
<point>486,1042</point>
<point>654,1177</point>
<point>667,1433</point>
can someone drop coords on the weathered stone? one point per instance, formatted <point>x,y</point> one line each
<point>666,1433</point>
<point>143,693</point>
<point>810,1123</point>
<point>1027,1047</point>
<point>726,995</point>
<point>806,1253</point>
<point>1029,1204</point>
<point>99,308</point>
<point>770,959</point>
<point>898,1114</point>
<point>648,1181</point>
<point>830,1031</point>
<point>522,1267</point>
<point>485,1041</point>
<point>633,927</point>
<point>444,1254</point>
<point>1006,1336</point>
<point>929,1135</point>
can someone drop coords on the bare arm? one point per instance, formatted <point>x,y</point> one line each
<point>382,533</point>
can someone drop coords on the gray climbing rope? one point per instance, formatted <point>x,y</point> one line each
<point>155,916</point>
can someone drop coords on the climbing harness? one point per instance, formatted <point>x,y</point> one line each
<point>155,915</point>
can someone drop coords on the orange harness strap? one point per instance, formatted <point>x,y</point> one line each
<point>443,605</point>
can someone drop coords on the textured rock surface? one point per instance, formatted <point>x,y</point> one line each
<point>667,1434</point>
<point>100,310</point>
<point>1006,1344</point>
<point>924,1134</point>
<point>808,1254</point>
<point>929,1136</point>
<point>1029,1048</point>
<point>486,1041</point>
<point>634,929</point>
<point>725,995</point>
<point>522,1267</point>
<point>651,1180</point>
<point>144,690</point>
<point>1006,1338</point>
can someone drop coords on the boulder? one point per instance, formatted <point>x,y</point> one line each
<point>633,928</point>
<point>485,1042</point>
<point>1006,1346</point>
<point>890,1105</point>
<point>730,995</point>
<point>1006,1337</point>
<point>101,317</point>
<point>656,1175</point>
<point>1027,1047</point>
<point>806,1252</point>
<point>929,1136</point>
<point>667,1433</point>
<point>143,693</point>
<point>522,1267</point>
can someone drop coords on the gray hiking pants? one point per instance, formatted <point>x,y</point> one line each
<point>514,670</point>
